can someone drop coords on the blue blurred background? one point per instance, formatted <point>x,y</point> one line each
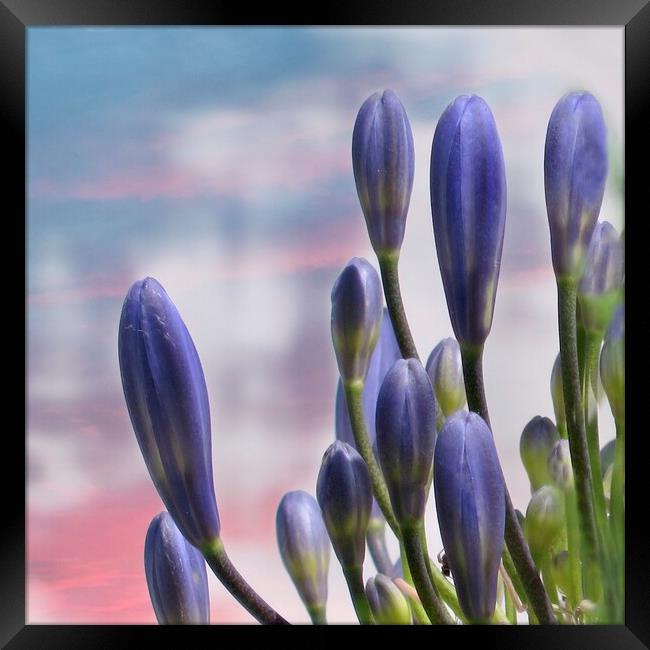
<point>218,161</point>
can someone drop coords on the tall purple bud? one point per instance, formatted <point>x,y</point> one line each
<point>167,399</point>
<point>470,502</point>
<point>344,494</point>
<point>468,205</point>
<point>383,160</point>
<point>357,303</point>
<point>406,437</point>
<point>600,288</point>
<point>575,169</point>
<point>176,576</point>
<point>305,549</point>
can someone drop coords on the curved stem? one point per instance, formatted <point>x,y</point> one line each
<point>432,604</point>
<point>577,434</point>
<point>353,393</point>
<point>472,358</point>
<point>573,542</point>
<point>354,578</point>
<point>217,559</point>
<point>547,577</point>
<point>390,280</point>
<point>376,539</point>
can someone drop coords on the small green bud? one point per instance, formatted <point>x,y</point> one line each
<point>545,520</point>
<point>388,604</point>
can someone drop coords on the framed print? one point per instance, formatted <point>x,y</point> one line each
<point>325,320</point>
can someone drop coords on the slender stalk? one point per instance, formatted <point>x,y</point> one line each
<point>354,578</point>
<point>217,559</point>
<point>472,358</point>
<point>390,279</point>
<point>573,542</point>
<point>547,577</point>
<point>414,601</point>
<point>590,369</point>
<point>376,539</point>
<point>511,612</point>
<point>433,606</point>
<point>618,517</point>
<point>578,435</point>
<point>317,615</point>
<point>510,569</point>
<point>353,393</point>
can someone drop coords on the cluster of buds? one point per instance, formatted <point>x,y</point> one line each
<point>402,427</point>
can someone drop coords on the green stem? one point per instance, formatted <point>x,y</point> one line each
<point>511,612</point>
<point>217,559</point>
<point>472,358</point>
<point>509,566</point>
<point>353,393</point>
<point>376,539</point>
<point>432,604</point>
<point>589,397</point>
<point>573,543</point>
<point>390,279</point>
<point>354,578</point>
<point>317,615</point>
<point>578,435</point>
<point>547,577</point>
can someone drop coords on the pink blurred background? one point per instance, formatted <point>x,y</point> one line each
<point>218,161</point>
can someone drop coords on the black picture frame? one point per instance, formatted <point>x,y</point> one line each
<point>16,16</point>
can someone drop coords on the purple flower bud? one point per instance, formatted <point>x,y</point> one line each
<point>304,547</point>
<point>612,364</point>
<point>545,519</point>
<point>537,440</point>
<point>468,205</point>
<point>357,302</point>
<point>167,400</point>
<point>406,437</point>
<point>599,290</point>
<point>383,160</point>
<point>575,170</point>
<point>344,494</point>
<point>176,575</point>
<point>445,370</point>
<point>389,606</point>
<point>470,502</point>
<point>385,354</point>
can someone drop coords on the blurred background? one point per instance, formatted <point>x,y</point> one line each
<point>218,161</point>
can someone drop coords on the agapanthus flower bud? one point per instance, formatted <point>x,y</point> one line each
<point>357,302</point>
<point>559,465</point>
<point>383,160</point>
<point>445,370</point>
<point>385,354</point>
<point>537,440</point>
<point>304,548</point>
<point>167,400</point>
<point>545,518</point>
<point>344,494</point>
<point>557,391</point>
<point>575,170</point>
<point>406,437</point>
<point>607,456</point>
<point>176,575</point>
<point>612,364</point>
<point>470,502</point>
<point>388,604</point>
<point>468,205</point>
<point>599,291</point>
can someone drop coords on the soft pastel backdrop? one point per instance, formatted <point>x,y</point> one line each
<point>218,161</point>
